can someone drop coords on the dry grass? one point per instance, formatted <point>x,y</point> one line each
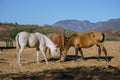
<point>63,70</point>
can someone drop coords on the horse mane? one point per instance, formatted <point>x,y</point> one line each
<point>69,42</point>
<point>50,44</point>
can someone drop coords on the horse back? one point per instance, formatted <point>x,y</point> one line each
<point>58,39</point>
<point>98,36</point>
<point>81,40</point>
<point>33,40</point>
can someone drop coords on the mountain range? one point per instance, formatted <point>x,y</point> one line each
<point>86,26</point>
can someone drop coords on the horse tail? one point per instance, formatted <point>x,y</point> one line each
<point>17,41</point>
<point>103,37</point>
<point>51,45</point>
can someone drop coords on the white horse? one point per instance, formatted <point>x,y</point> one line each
<point>37,40</point>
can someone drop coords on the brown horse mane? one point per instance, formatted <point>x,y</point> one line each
<point>67,44</point>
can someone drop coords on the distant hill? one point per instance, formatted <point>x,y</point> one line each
<point>86,26</point>
<point>112,24</point>
<point>10,30</point>
<point>111,28</point>
<point>112,35</point>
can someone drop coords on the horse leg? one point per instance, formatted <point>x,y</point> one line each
<point>80,50</point>
<point>101,47</point>
<point>105,52</point>
<point>46,50</point>
<point>42,51</point>
<point>49,53</point>
<point>99,52</point>
<point>19,54</point>
<point>61,54</point>
<point>37,56</point>
<point>76,54</point>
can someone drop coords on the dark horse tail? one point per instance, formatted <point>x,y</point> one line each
<point>17,41</point>
<point>103,38</point>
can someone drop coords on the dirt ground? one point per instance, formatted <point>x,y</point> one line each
<point>91,69</point>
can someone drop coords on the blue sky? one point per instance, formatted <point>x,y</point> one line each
<point>42,12</point>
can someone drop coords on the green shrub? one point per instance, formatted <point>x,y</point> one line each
<point>111,39</point>
<point>15,32</point>
<point>29,29</point>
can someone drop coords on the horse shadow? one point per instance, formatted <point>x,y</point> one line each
<point>41,61</point>
<point>103,58</point>
<point>70,58</point>
<point>50,60</point>
<point>53,59</point>
<point>73,57</point>
<point>5,48</point>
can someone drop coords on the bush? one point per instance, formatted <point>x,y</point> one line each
<point>111,39</point>
<point>15,32</point>
<point>29,29</point>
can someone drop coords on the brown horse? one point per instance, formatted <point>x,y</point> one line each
<point>79,40</point>
<point>58,40</point>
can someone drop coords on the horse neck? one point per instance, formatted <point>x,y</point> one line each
<point>68,45</point>
<point>50,44</point>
